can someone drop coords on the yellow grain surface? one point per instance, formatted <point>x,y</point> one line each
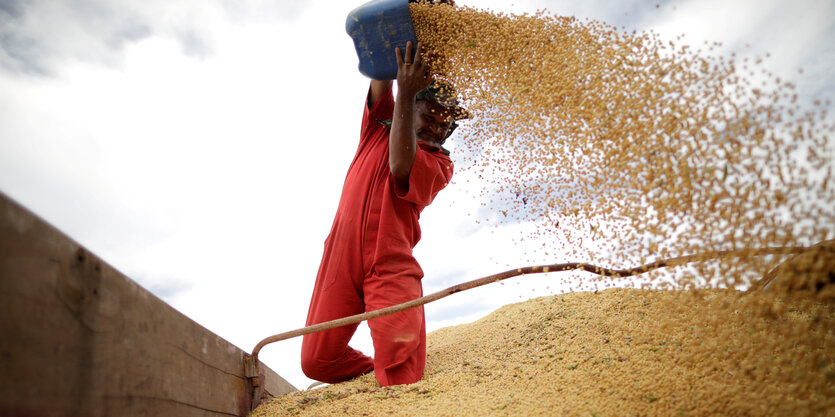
<point>618,352</point>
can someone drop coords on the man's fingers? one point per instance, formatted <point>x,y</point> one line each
<point>408,57</point>
<point>398,56</point>
<point>418,57</point>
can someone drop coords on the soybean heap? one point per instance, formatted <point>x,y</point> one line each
<point>622,149</point>
<point>620,352</point>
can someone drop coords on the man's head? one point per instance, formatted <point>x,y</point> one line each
<point>436,110</point>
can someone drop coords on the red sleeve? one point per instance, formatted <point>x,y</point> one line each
<point>430,173</point>
<point>383,109</point>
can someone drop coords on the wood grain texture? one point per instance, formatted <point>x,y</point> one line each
<point>78,338</point>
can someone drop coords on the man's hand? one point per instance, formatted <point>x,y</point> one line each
<point>412,76</point>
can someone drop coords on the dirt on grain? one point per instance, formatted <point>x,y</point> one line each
<point>618,352</point>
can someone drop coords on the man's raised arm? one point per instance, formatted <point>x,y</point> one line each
<point>378,88</point>
<point>412,76</point>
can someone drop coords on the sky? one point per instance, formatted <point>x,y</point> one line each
<point>200,147</point>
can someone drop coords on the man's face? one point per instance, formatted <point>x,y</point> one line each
<point>431,122</point>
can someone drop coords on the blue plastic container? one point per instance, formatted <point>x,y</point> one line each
<point>377,27</point>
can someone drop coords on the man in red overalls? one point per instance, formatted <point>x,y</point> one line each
<point>367,264</point>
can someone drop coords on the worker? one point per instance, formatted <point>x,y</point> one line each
<point>399,168</point>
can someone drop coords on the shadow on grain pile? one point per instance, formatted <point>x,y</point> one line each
<point>616,352</point>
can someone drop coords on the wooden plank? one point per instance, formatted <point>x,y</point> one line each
<point>78,338</point>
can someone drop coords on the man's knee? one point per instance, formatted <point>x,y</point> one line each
<point>350,364</point>
<point>314,364</point>
<point>314,367</point>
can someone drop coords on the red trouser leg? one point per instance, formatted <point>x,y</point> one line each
<point>400,338</point>
<point>326,355</point>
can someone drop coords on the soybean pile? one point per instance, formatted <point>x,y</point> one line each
<point>623,148</point>
<point>618,352</point>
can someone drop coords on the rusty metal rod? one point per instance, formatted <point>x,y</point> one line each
<point>570,266</point>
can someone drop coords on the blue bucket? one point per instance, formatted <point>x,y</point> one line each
<point>377,27</point>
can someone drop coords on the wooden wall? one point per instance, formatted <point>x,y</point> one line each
<point>78,338</point>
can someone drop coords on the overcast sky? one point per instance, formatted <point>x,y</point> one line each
<point>200,146</point>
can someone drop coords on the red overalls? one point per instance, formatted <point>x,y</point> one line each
<point>368,264</point>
